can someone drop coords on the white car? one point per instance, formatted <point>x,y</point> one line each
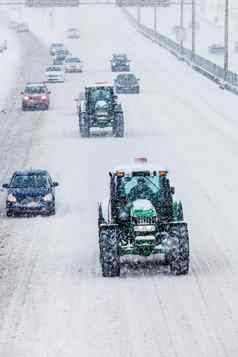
<point>73,33</point>
<point>22,27</point>
<point>72,64</point>
<point>55,74</point>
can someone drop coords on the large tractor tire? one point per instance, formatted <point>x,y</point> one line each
<point>118,127</point>
<point>84,126</point>
<point>109,252</point>
<point>179,263</point>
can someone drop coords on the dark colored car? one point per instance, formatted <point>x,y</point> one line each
<point>60,56</point>
<point>120,63</point>
<point>35,96</point>
<point>54,47</point>
<point>30,192</point>
<point>126,83</point>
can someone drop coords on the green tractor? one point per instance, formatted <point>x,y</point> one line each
<point>143,221</point>
<point>98,108</point>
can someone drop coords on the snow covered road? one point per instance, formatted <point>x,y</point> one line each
<point>54,301</point>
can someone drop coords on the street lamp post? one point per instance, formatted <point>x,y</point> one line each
<point>138,15</point>
<point>155,22</point>
<point>226,40</point>
<point>193,29</point>
<point>181,25</point>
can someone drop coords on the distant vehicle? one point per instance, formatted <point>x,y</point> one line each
<point>12,25</point>
<point>73,64</point>
<point>143,220</point>
<point>55,74</point>
<point>3,46</point>
<point>22,27</point>
<point>120,63</point>
<point>54,47</point>
<point>216,48</point>
<point>30,192</point>
<point>73,33</point>
<point>126,83</point>
<point>35,96</point>
<point>98,108</point>
<point>60,56</point>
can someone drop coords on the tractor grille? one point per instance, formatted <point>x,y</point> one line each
<point>144,221</point>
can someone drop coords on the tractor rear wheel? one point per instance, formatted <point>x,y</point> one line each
<point>109,252</point>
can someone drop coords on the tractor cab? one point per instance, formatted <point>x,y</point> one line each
<point>133,186</point>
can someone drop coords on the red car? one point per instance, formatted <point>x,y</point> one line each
<point>35,96</point>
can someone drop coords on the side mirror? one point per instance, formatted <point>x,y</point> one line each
<point>172,190</point>
<point>55,184</point>
<point>49,92</point>
<point>22,93</point>
<point>5,185</point>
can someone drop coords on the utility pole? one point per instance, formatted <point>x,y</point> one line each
<point>193,29</point>
<point>181,25</point>
<point>138,15</point>
<point>226,39</point>
<point>155,22</point>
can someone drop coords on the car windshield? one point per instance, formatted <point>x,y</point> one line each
<point>73,60</point>
<point>60,52</point>
<point>57,45</point>
<point>53,69</point>
<point>121,58</point>
<point>138,187</point>
<point>32,181</point>
<point>35,89</point>
<point>127,78</point>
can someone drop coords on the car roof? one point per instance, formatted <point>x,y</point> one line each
<point>119,55</point>
<point>31,172</point>
<point>125,75</point>
<point>57,44</point>
<point>34,84</point>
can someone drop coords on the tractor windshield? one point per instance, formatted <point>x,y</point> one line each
<point>101,94</point>
<point>138,187</point>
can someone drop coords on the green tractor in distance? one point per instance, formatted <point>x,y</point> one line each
<point>144,220</point>
<point>98,108</point>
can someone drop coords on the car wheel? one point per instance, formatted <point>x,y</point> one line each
<point>9,213</point>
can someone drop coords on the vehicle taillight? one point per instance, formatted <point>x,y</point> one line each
<point>26,97</point>
<point>44,97</point>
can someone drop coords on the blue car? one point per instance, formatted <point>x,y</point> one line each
<point>120,63</point>
<point>30,192</point>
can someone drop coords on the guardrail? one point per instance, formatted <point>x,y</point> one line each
<point>209,69</point>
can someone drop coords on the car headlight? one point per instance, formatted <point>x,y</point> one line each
<point>48,197</point>
<point>146,228</point>
<point>11,198</point>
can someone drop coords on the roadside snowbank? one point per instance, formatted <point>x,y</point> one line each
<point>9,62</point>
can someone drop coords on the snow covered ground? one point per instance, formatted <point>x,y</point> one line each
<point>53,300</point>
<point>10,61</point>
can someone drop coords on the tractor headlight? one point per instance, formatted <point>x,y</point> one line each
<point>11,198</point>
<point>48,197</point>
<point>146,228</point>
